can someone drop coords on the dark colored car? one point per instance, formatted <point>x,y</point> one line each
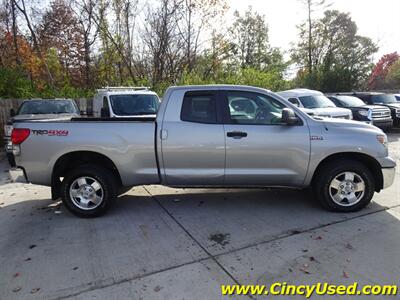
<point>397,97</point>
<point>377,115</point>
<point>36,109</point>
<point>388,100</point>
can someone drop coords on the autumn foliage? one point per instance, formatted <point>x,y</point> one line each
<point>378,78</point>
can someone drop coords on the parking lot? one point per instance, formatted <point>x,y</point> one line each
<point>163,243</point>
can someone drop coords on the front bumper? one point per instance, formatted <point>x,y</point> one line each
<point>383,123</point>
<point>388,176</point>
<point>18,175</point>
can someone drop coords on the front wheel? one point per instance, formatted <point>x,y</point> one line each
<point>344,186</point>
<point>88,191</point>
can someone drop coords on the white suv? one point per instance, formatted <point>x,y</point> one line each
<point>315,103</point>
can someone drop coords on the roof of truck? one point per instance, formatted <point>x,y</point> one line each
<point>217,87</point>
<point>298,93</point>
<point>125,91</point>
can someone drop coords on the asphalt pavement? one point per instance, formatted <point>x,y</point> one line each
<point>164,243</point>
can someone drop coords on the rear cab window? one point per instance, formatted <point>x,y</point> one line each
<point>199,107</point>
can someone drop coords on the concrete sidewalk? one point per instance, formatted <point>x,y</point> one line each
<point>162,243</point>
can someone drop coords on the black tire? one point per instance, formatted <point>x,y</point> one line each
<point>108,190</point>
<point>324,177</point>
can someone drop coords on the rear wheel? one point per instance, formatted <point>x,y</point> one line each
<point>344,186</point>
<point>88,191</point>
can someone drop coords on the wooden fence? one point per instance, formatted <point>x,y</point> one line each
<point>84,105</point>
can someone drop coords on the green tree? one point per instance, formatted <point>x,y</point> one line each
<point>341,59</point>
<point>393,75</point>
<point>250,43</point>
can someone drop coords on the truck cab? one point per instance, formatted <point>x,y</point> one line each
<point>124,102</point>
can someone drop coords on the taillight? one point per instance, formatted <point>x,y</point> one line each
<point>18,135</point>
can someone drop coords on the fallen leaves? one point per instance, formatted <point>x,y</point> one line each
<point>349,246</point>
<point>305,271</point>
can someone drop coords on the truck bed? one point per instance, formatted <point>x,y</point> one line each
<point>128,142</point>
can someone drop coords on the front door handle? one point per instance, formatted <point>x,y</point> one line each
<point>236,134</point>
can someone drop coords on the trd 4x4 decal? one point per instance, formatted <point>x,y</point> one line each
<point>51,132</point>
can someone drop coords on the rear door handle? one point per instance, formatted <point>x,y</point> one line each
<point>236,134</point>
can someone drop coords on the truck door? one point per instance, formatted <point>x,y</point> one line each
<point>260,150</point>
<point>192,139</point>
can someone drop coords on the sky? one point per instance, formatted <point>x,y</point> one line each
<point>377,19</point>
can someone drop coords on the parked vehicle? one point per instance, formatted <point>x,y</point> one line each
<point>315,103</point>
<point>125,102</point>
<point>36,109</point>
<point>387,100</point>
<point>377,115</point>
<point>205,136</point>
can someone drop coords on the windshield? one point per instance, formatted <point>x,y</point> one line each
<point>376,99</point>
<point>39,107</point>
<point>129,105</point>
<point>350,101</point>
<point>316,101</point>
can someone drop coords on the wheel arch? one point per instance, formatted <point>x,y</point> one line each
<point>371,163</point>
<point>70,160</point>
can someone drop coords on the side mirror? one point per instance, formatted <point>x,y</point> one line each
<point>104,113</point>
<point>289,117</point>
<point>12,112</point>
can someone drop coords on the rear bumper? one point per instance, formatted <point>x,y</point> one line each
<point>388,176</point>
<point>18,175</point>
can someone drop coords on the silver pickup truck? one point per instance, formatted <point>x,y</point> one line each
<point>205,136</point>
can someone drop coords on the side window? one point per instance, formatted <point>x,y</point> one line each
<point>253,108</point>
<point>199,107</point>
<point>105,104</point>
<point>336,101</point>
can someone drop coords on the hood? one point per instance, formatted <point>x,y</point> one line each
<point>393,105</point>
<point>44,116</point>
<point>328,111</point>
<point>372,106</point>
<point>342,123</point>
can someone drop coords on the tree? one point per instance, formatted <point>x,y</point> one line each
<point>20,4</point>
<point>250,43</point>
<point>162,42</point>
<point>194,18</point>
<point>393,75</point>
<point>311,6</point>
<point>377,80</point>
<point>341,58</point>
<point>85,13</point>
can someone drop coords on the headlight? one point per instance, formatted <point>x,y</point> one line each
<point>363,112</point>
<point>381,138</point>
